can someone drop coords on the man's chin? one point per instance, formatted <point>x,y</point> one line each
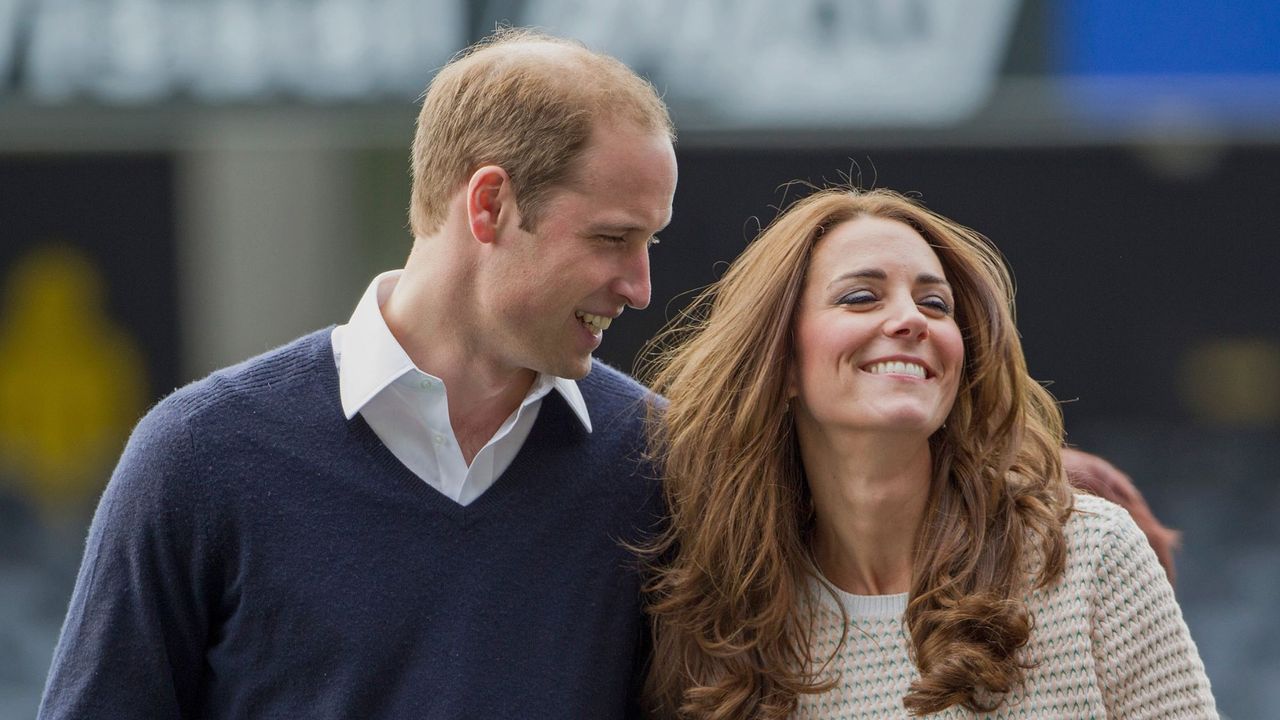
<point>569,368</point>
<point>577,370</point>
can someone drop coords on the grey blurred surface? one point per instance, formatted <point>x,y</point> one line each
<point>38,565</point>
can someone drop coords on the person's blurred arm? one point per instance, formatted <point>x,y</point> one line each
<point>1099,477</point>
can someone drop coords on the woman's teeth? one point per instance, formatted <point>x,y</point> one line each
<point>598,323</point>
<point>896,368</point>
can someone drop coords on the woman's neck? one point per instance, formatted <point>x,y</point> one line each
<point>870,493</point>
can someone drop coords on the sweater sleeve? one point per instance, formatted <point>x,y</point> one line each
<point>133,642</point>
<point>1148,666</point>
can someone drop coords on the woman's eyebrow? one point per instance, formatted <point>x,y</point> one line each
<point>878,274</point>
<point>868,273</point>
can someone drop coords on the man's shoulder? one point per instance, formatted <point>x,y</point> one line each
<point>611,393</point>
<point>228,420</point>
<point>283,375</point>
<point>609,383</point>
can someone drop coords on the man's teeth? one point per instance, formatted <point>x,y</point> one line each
<point>595,322</point>
<point>897,368</point>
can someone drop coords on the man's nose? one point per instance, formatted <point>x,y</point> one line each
<point>633,281</point>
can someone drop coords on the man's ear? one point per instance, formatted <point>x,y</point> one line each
<point>488,196</point>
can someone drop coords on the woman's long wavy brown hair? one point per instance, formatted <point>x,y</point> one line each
<point>731,593</point>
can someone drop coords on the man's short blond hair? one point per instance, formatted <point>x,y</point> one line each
<point>526,102</point>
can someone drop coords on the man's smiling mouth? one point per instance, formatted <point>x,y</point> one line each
<point>597,323</point>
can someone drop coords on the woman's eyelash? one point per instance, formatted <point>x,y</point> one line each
<point>857,296</point>
<point>938,304</point>
<point>864,296</point>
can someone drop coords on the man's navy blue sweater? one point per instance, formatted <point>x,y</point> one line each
<point>257,555</point>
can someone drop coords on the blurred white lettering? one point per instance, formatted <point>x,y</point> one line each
<point>62,49</point>
<point>132,51</point>
<point>134,64</point>
<point>745,63</point>
<point>10,30</point>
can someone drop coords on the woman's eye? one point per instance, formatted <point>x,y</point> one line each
<point>938,304</point>
<point>857,297</point>
<point>613,238</point>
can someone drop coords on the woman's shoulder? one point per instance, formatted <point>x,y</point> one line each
<point>1091,513</point>
<point>1100,531</point>
<point>1094,518</point>
<point>1099,534</point>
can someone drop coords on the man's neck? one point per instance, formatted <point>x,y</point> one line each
<point>478,408</point>
<point>427,315</point>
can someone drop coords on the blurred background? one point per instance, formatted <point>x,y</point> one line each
<point>186,183</point>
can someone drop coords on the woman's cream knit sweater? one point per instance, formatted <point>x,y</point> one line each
<point>1108,642</point>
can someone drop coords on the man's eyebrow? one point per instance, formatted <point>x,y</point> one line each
<point>624,228</point>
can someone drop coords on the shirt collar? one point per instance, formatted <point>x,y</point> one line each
<point>572,396</point>
<point>370,358</point>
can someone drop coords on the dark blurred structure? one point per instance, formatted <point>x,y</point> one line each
<point>184,183</point>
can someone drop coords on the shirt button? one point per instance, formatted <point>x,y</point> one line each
<point>426,384</point>
<point>438,439</point>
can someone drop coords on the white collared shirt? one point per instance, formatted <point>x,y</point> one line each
<point>408,409</point>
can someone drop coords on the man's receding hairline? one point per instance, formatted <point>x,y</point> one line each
<point>583,69</point>
<point>536,48</point>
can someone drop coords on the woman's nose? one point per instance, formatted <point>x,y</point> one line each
<point>906,321</point>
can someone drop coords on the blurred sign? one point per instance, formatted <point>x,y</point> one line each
<point>800,63</point>
<point>1163,37</point>
<point>88,317</point>
<point>139,51</point>
<point>72,380</point>
<point>720,63</point>
<point>1179,63</point>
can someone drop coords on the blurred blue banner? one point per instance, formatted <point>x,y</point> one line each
<point>1180,63</point>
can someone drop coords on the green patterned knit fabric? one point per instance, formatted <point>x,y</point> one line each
<point>1109,640</point>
